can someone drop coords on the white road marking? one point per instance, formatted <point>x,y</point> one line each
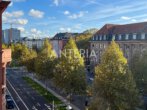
<point>38,104</point>
<point>18,95</point>
<point>49,108</point>
<point>13,99</point>
<point>34,108</point>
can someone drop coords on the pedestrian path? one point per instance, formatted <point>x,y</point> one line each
<point>54,93</point>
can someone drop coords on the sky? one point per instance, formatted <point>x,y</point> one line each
<point>45,18</point>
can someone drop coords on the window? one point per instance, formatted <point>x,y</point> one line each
<point>100,45</point>
<point>113,37</point>
<point>97,38</point>
<point>104,37</point>
<point>134,36</point>
<point>127,36</point>
<point>143,36</point>
<point>93,37</point>
<point>119,36</point>
<point>100,37</point>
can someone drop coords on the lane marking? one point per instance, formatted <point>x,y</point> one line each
<point>34,108</point>
<point>18,95</point>
<point>48,107</point>
<point>38,104</point>
<point>13,99</point>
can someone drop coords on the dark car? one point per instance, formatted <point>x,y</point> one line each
<point>8,97</point>
<point>10,104</point>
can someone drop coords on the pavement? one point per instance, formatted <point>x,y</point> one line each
<point>24,96</point>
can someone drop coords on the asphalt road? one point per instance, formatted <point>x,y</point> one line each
<point>24,96</point>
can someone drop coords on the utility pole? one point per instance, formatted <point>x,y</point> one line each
<point>3,6</point>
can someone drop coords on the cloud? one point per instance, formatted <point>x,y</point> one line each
<point>17,14</point>
<point>128,18</point>
<point>14,18</point>
<point>134,20</point>
<point>11,4</point>
<point>21,29</point>
<point>62,29</point>
<point>35,31</point>
<point>16,0</point>
<point>78,15</point>
<point>125,18</point>
<point>21,21</point>
<point>66,12</point>
<point>144,20</point>
<point>56,2</point>
<point>14,14</point>
<point>19,0</point>
<point>36,13</point>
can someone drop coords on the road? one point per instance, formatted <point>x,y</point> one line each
<point>25,97</point>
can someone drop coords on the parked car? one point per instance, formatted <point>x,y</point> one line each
<point>10,104</point>
<point>8,97</point>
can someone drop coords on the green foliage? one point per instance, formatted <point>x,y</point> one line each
<point>22,56</point>
<point>139,70</point>
<point>114,87</point>
<point>70,74</point>
<point>30,62</point>
<point>44,64</point>
<point>4,46</point>
<point>82,40</point>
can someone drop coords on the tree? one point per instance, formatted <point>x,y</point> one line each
<point>114,87</point>
<point>30,62</point>
<point>44,61</point>
<point>139,69</point>
<point>70,71</point>
<point>4,46</point>
<point>20,54</point>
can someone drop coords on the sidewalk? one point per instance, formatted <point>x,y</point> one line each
<point>54,93</point>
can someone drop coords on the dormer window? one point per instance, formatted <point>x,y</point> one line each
<point>143,36</point>
<point>127,36</point>
<point>134,36</point>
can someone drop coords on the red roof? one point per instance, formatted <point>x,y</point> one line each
<point>123,29</point>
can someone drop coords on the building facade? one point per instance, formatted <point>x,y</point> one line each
<point>60,40</point>
<point>11,35</point>
<point>33,43</point>
<point>132,38</point>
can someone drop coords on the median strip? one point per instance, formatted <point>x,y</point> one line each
<point>43,92</point>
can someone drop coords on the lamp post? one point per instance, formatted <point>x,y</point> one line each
<point>3,6</point>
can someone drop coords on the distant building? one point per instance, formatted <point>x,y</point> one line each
<point>11,35</point>
<point>60,40</point>
<point>33,43</point>
<point>131,38</point>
